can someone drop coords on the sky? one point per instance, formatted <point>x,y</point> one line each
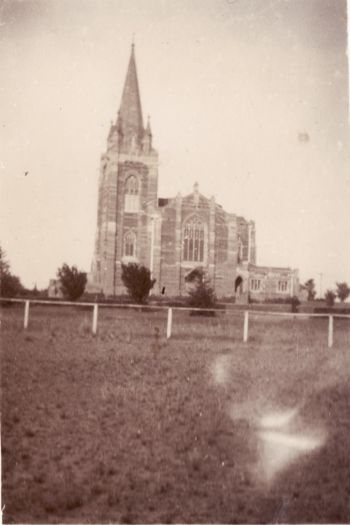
<point>247,97</point>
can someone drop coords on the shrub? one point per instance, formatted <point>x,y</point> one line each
<point>330,298</point>
<point>202,294</point>
<point>280,300</point>
<point>137,280</point>
<point>309,286</point>
<point>10,285</point>
<point>343,291</point>
<point>294,304</point>
<point>72,280</point>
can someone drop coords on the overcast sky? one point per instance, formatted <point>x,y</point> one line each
<point>247,97</point>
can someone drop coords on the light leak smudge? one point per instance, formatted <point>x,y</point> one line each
<point>280,444</point>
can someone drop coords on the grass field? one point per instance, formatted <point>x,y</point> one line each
<point>128,427</point>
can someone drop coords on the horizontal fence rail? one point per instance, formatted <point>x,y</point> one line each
<point>297,316</point>
<point>230,312</point>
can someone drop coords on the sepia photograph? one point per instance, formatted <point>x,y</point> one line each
<point>175,261</point>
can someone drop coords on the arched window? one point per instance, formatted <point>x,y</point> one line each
<point>131,195</point>
<point>193,240</point>
<point>130,244</point>
<point>131,186</point>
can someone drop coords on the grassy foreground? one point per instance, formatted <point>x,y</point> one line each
<point>127,427</point>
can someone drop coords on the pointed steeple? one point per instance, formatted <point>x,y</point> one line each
<point>130,112</point>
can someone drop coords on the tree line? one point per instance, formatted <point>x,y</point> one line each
<point>138,282</point>
<point>342,292</point>
<point>136,278</point>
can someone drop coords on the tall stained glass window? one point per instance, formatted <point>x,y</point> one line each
<point>193,240</point>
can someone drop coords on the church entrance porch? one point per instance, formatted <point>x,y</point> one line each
<point>241,295</point>
<point>239,286</point>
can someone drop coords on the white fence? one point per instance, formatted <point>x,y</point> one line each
<point>95,308</point>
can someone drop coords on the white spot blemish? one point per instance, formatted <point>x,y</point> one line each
<point>277,419</point>
<point>295,442</point>
<point>220,369</point>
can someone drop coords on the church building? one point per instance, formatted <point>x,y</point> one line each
<point>170,236</point>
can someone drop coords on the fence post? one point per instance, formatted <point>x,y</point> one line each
<point>94,319</point>
<point>330,331</point>
<point>245,326</point>
<point>169,323</point>
<point>26,315</point>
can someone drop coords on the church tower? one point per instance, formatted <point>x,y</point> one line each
<point>127,192</point>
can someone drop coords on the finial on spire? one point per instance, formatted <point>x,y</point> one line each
<point>195,194</point>
<point>118,122</point>
<point>148,127</point>
<point>133,42</point>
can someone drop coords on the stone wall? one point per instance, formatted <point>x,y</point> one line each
<point>268,283</point>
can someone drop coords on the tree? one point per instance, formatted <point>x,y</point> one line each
<point>343,291</point>
<point>330,296</point>
<point>309,286</point>
<point>72,280</point>
<point>10,285</point>
<point>201,295</point>
<point>137,280</point>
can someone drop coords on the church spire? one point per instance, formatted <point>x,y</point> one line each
<point>130,112</point>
